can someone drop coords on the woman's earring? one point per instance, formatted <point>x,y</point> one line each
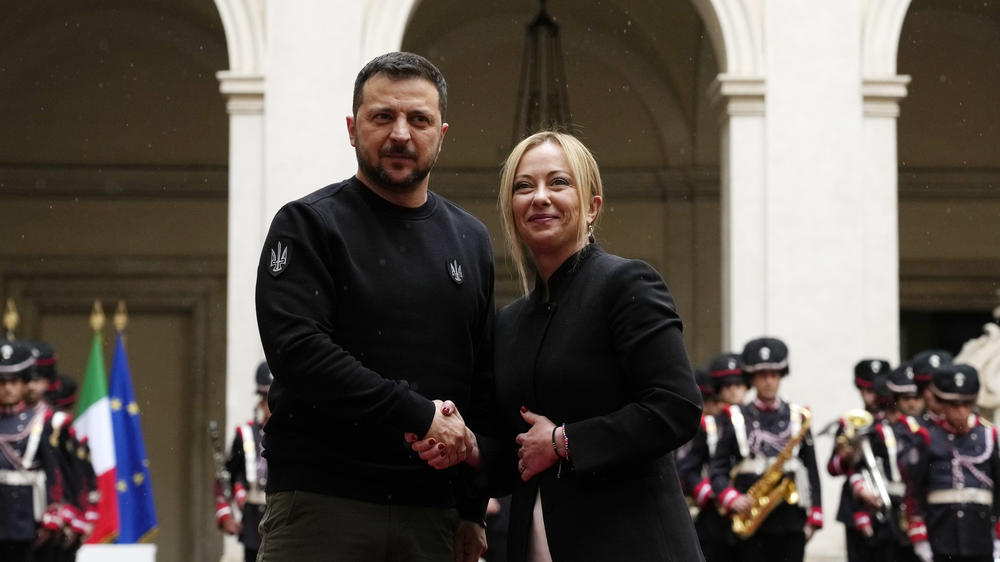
<point>590,232</point>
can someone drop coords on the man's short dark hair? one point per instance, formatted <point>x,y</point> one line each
<point>400,66</point>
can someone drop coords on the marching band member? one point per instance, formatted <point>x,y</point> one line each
<point>951,496</point>
<point>753,436</point>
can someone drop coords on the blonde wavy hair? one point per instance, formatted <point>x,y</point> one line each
<point>586,178</point>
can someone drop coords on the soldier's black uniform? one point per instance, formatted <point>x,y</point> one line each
<point>80,494</point>
<point>716,539</point>
<point>247,470</point>
<point>752,436</point>
<point>30,483</point>
<point>952,499</point>
<point>871,535</point>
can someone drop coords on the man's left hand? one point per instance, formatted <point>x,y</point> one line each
<point>470,541</point>
<point>809,531</point>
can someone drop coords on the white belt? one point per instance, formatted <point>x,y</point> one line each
<point>757,465</point>
<point>22,477</point>
<point>256,496</point>
<point>964,495</point>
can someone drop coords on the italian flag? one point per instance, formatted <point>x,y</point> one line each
<point>93,423</point>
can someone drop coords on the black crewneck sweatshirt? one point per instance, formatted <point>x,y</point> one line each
<point>367,312</point>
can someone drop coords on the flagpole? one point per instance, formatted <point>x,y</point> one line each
<point>121,320</point>
<point>11,319</point>
<point>97,317</point>
<point>136,509</point>
<point>93,424</point>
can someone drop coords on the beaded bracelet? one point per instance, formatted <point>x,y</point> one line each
<point>554,446</point>
<point>566,440</point>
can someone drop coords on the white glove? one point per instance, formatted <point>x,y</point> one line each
<point>923,551</point>
<point>996,550</point>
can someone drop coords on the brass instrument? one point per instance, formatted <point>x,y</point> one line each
<point>859,426</point>
<point>772,488</point>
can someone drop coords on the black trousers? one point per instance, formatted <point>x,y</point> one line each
<point>883,547</point>
<point>718,543</point>
<point>773,547</point>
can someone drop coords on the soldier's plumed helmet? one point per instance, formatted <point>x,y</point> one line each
<point>45,359</point>
<point>62,393</point>
<point>925,362</point>
<point>866,370</point>
<point>765,354</point>
<point>955,383</point>
<point>16,361</point>
<point>726,369</point>
<point>704,382</point>
<point>902,381</point>
<point>263,378</point>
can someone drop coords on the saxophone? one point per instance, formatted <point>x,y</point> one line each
<point>771,489</point>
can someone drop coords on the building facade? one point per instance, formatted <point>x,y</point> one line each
<point>816,171</point>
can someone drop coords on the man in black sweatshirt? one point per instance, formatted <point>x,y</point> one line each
<point>374,304</point>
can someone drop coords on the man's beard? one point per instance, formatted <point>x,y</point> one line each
<point>378,174</point>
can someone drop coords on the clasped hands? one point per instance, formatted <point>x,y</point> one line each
<point>448,441</point>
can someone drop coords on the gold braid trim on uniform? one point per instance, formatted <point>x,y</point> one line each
<point>772,488</point>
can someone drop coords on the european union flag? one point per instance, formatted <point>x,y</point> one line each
<point>136,511</point>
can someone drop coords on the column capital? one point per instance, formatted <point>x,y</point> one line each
<point>742,95</point>
<point>882,95</point>
<point>244,91</point>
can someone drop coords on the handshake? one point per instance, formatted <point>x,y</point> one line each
<point>448,441</point>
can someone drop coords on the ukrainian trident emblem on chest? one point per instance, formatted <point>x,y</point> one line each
<point>455,271</point>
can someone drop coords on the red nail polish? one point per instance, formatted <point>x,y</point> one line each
<point>524,409</point>
<point>441,446</point>
<point>431,441</point>
<point>446,410</point>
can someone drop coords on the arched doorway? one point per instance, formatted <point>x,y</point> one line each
<point>113,166</point>
<point>949,169</point>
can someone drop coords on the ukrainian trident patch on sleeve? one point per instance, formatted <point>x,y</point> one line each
<point>280,254</point>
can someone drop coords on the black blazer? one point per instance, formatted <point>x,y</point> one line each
<point>604,355</point>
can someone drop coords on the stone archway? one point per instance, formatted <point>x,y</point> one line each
<point>113,174</point>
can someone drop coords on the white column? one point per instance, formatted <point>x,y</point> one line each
<point>245,93</point>
<point>880,219</point>
<point>815,202</point>
<point>312,58</point>
<point>744,274</point>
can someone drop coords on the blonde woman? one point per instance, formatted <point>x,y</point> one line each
<point>593,384</point>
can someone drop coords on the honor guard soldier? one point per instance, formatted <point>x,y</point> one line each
<point>69,453</point>
<point>952,497</point>
<point>718,543</point>
<point>877,485</point>
<point>924,364</point>
<point>764,470</point>
<point>29,479</point>
<point>248,474</point>
<point>85,494</point>
<point>858,501</point>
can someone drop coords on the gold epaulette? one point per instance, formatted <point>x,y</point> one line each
<point>985,422</point>
<point>913,424</point>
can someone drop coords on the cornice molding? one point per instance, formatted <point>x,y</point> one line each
<point>114,181</point>
<point>469,183</point>
<point>738,95</point>
<point>881,95</point>
<point>244,92</point>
